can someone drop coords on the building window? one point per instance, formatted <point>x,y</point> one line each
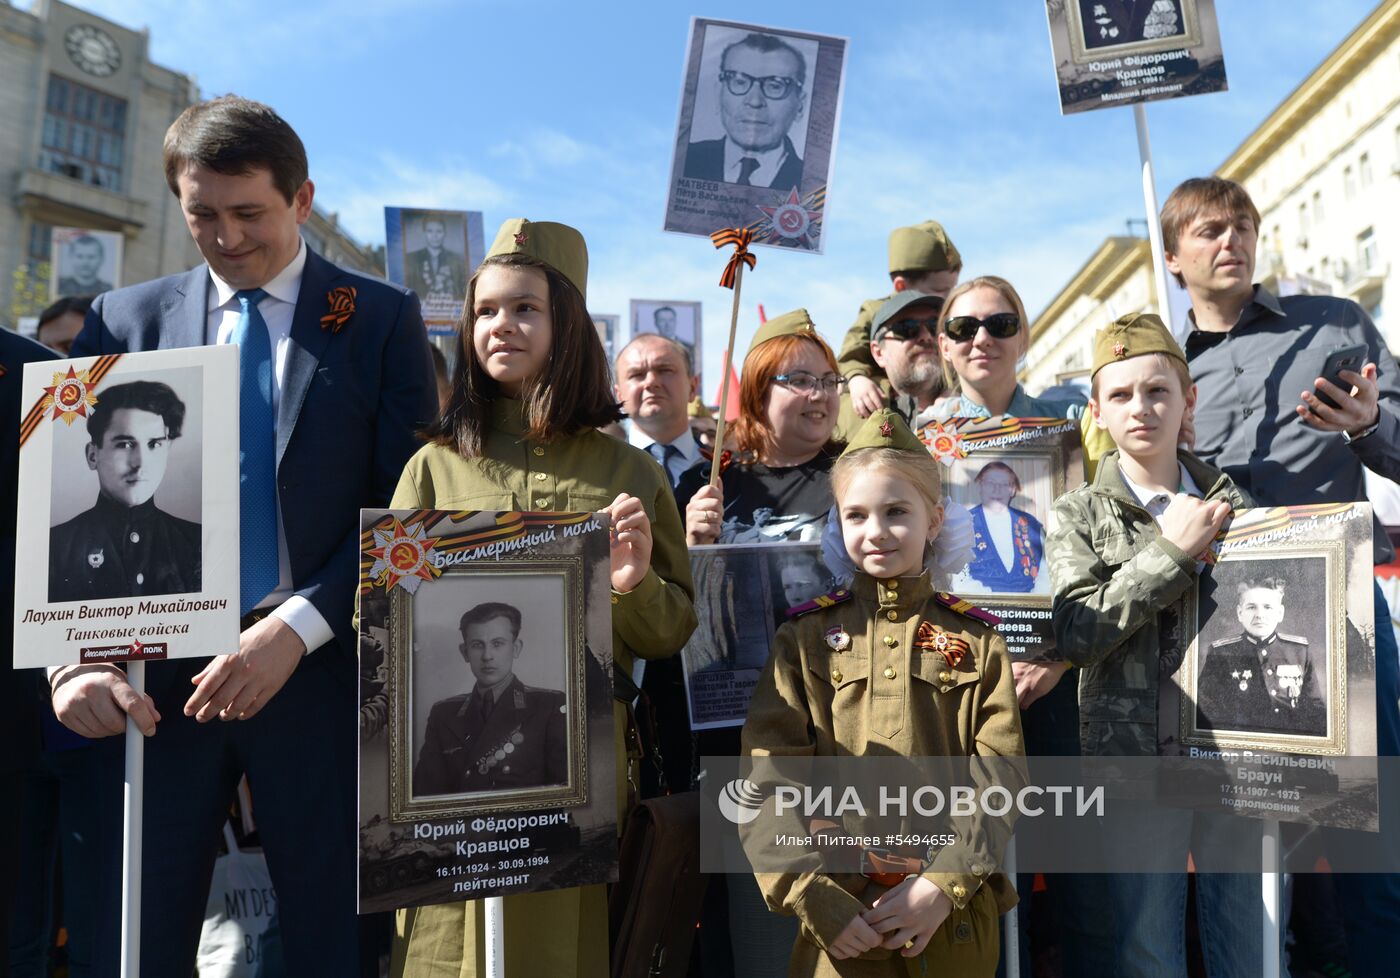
<point>1303,218</point>
<point>40,241</point>
<point>1367,254</point>
<point>1349,183</point>
<point>1364,165</point>
<point>1317,206</point>
<point>84,134</point>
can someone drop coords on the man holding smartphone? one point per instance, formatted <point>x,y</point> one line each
<point>1259,361</point>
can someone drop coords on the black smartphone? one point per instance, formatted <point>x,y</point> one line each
<point>1347,358</point>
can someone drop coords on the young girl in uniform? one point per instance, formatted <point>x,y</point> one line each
<point>519,433</point>
<point>825,692</point>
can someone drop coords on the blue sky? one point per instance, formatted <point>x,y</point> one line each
<point>567,111</point>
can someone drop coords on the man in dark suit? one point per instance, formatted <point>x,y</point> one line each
<point>761,95</point>
<point>126,545</point>
<point>501,735</point>
<point>335,378</point>
<point>435,269</point>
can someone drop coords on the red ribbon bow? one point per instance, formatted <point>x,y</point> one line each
<point>935,639</point>
<point>740,238</point>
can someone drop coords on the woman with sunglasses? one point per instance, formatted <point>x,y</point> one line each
<point>778,485</point>
<point>982,333</point>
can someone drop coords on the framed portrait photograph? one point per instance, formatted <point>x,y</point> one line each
<point>1116,52</point>
<point>743,592</point>
<point>486,709</point>
<point>434,252</point>
<point>759,113</point>
<point>127,544</point>
<point>1274,665</point>
<point>677,320</point>
<point>1007,473</point>
<point>85,262</point>
<point>609,332</point>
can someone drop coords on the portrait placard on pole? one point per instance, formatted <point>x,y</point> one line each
<point>433,252</point>
<point>486,714</point>
<point>127,540</point>
<point>756,138</point>
<point>1118,52</point>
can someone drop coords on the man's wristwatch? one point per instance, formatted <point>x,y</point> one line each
<point>1370,429</point>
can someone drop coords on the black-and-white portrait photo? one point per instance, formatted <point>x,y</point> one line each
<point>1108,23</point>
<point>85,262</point>
<point>1261,662</point>
<point>435,263</point>
<point>125,500</point>
<point>757,132</point>
<point>489,681</point>
<point>750,121</point>
<point>607,327</point>
<point>675,320</point>
<point>1009,498</point>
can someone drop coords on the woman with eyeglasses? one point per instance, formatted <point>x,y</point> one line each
<point>982,333</point>
<point>778,484</point>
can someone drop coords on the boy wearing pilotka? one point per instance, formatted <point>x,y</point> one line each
<point>1124,550</point>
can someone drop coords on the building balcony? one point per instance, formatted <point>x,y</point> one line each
<point>61,200</point>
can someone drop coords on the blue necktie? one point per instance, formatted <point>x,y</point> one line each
<point>257,442</point>
<point>664,454</point>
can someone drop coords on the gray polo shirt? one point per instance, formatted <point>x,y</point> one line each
<point>1248,384</point>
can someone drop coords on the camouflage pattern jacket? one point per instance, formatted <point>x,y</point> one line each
<point>1117,608</point>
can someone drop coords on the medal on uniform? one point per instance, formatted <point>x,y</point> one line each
<point>96,558</point>
<point>837,639</point>
<point>936,640</point>
<point>1244,677</point>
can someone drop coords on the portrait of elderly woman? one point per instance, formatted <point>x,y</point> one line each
<point>1008,550</point>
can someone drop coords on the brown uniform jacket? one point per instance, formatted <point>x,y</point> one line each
<point>884,696</point>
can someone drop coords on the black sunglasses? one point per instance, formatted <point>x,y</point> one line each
<point>908,329</point>
<point>1002,326</point>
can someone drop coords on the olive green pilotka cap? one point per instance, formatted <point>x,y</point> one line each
<point>557,245</point>
<point>1134,335</point>
<point>922,248</point>
<point>885,429</point>
<point>795,323</point>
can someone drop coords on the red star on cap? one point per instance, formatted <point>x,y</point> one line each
<point>886,429</point>
<point>521,237</point>
<point>1119,349</point>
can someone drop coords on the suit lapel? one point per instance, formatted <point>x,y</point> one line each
<point>308,343</point>
<point>185,312</point>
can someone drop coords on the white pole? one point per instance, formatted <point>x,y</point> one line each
<point>495,937</point>
<point>133,796</point>
<point>1013,930</point>
<point>1273,925</point>
<point>1154,224</point>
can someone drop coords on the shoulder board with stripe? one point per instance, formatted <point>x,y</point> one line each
<point>1222,642</point>
<point>964,607</point>
<point>826,600</point>
<point>1295,639</point>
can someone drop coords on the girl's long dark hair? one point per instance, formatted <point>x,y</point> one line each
<point>572,392</point>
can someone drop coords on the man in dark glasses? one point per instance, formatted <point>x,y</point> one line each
<point>922,258</point>
<point>904,344</point>
<point>761,96</point>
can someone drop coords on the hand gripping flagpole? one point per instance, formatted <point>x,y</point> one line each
<point>733,278</point>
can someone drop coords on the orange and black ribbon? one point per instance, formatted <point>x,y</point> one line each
<point>740,238</point>
<point>935,639</point>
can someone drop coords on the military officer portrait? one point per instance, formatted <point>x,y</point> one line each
<point>501,735</point>
<point>125,545</point>
<point>1263,678</point>
<point>435,269</point>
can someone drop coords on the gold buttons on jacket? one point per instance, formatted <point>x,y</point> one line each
<point>977,869</point>
<point>959,891</point>
<point>889,672</point>
<point>541,503</point>
<point>892,584</point>
<point>836,675</point>
<point>540,476</point>
<point>892,615</point>
<point>944,676</point>
<point>891,641</point>
<point>538,450</point>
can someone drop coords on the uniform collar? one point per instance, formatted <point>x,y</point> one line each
<point>110,509</point>
<point>1256,643</point>
<point>508,415</point>
<point>897,592</point>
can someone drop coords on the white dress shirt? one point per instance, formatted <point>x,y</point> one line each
<point>277,309</point>
<point>686,444</point>
<point>769,162</point>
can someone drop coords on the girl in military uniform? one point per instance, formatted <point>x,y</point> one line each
<point>519,433</point>
<point>889,666</point>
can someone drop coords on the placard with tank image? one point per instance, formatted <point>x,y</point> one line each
<point>486,747</point>
<point>127,539</point>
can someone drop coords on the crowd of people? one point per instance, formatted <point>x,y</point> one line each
<point>1179,436</point>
